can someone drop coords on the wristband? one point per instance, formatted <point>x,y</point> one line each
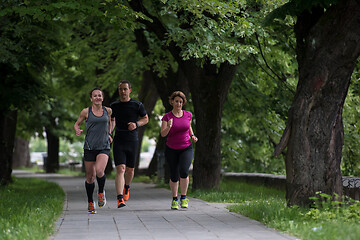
<point>137,125</point>
<point>192,135</point>
<point>110,134</point>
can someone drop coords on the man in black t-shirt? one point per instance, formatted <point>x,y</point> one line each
<point>127,115</point>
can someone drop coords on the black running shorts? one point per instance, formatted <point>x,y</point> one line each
<point>90,155</point>
<point>125,153</point>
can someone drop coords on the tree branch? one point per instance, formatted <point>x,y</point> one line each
<point>283,79</point>
<point>283,141</point>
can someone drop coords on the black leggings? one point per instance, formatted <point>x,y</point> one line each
<point>179,161</point>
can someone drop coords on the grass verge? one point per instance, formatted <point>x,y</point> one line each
<point>29,209</point>
<point>326,220</point>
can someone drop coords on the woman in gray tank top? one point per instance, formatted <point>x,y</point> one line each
<point>96,146</point>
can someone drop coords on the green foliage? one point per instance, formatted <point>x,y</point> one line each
<point>153,127</point>
<point>29,209</point>
<point>145,144</point>
<point>73,54</point>
<point>70,152</point>
<point>325,207</point>
<point>37,145</point>
<point>326,220</point>
<point>237,192</point>
<point>256,109</point>
<point>53,52</point>
<point>350,164</point>
<point>255,113</point>
<point>211,30</point>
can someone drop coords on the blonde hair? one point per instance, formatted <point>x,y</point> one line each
<point>178,94</point>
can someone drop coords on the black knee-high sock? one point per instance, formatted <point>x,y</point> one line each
<point>90,190</point>
<point>101,183</point>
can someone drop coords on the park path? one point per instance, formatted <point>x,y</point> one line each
<point>147,215</point>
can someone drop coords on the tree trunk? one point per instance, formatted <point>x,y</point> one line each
<point>107,101</point>
<point>7,138</point>
<point>209,87</point>
<point>328,45</point>
<point>52,162</point>
<point>148,96</point>
<point>164,87</point>
<point>21,156</point>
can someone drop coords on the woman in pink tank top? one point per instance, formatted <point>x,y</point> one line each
<point>176,126</point>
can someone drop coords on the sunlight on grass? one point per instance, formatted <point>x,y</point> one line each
<point>29,209</point>
<point>267,205</point>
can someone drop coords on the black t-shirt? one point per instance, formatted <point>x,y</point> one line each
<point>125,112</point>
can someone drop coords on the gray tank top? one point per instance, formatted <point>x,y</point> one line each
<point>97,131</point>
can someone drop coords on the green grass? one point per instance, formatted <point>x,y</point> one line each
<point>323,221</point>
<point>29,209</point>
<point>65,171</point>
<point>29,205</point>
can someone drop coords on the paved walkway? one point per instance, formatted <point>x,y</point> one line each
<point>147,215</point>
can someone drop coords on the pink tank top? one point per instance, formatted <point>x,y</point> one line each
<point>178,137</point>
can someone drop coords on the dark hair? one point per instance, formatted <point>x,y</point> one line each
<point>94,90</point>
<point>125,81</point>
<point>177,94</point>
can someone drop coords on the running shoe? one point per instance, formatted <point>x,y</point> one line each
<point>102,199</point>
<point>91,208</point>
<point>174,205</point>
<point>120,203</point>
<point>126,193</point>
<point>184,203</point>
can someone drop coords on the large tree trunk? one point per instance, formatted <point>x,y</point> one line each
<point>209,87</point>
<point>7,138</point>
<point>148,96</point>
<point>21,156</point>
<point>164,87</point>
<point>52,162</point>
<point>328,45</point>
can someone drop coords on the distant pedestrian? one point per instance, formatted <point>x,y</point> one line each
<point>128,116</point>
<point>96,146</point>
<point>176,125</point>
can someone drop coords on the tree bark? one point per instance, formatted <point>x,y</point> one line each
<point>52,162</point>
<point>21,156</point>
<point>164,87</point>
<point>328,45</point>
<point>148,96</point>
<point>107,101</point>
<point>7,137</point>
<point>209,87</point>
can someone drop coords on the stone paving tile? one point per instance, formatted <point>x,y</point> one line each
<point>147,215</point>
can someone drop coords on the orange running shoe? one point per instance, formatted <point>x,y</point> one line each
<point>121,203</point>
<point>91,208</point>
<point>126,193</point>
<point>102,199</point>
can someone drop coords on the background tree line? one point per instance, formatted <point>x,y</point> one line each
<point>254,71</point>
